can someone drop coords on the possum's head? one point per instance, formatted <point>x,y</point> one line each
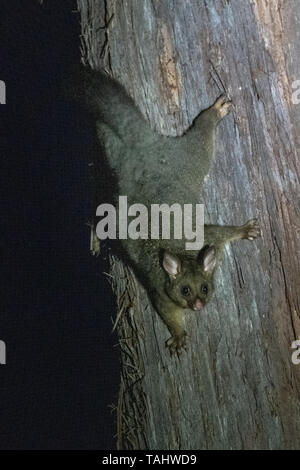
<point>190,281</point>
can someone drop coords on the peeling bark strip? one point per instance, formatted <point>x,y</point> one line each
<point>236,388</point>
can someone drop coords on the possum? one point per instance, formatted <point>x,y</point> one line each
<point>153,169</point>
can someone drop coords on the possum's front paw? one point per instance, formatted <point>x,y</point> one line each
<point>177,343</point>
<point>251,230</point>
<point>222,106</point>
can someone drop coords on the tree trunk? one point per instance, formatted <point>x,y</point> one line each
<point>236,387</point>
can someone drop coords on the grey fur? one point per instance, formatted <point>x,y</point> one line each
<point>152,168</point>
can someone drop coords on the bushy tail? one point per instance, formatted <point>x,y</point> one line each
<point>106,99</point>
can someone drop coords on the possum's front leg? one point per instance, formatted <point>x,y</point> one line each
<point>173,317</point>
<point>219,235</point>
<point>249,231</point>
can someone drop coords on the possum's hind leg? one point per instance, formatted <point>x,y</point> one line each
<point>205,124</point>
<point>222,107</point>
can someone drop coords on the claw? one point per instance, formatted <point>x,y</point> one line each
<point>177,344</point>
<point>222,106</point>
<point>251,229</point>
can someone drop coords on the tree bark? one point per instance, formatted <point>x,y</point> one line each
<point>236,387</point>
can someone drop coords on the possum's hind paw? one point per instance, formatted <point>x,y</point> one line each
<point>251,230</point>
<point>177,344</point>
<point>222,106</point>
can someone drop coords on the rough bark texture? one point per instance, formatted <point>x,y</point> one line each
<point>236,388</point>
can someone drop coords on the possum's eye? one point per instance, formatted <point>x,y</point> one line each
<point>204,289</point>
<point>185,291</point>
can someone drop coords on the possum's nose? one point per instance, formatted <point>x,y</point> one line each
<point>198,305</point>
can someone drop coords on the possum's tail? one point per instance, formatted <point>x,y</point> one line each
<point>107,100</point>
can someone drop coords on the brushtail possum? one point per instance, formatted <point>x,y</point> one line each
<point>155,169</point>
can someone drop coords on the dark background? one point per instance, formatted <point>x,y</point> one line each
<point>62,370</point>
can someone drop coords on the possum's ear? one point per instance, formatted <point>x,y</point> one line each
<point>208,258</point>
<point>171,264</point>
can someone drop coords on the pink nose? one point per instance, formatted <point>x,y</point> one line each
<point>197,305</point>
